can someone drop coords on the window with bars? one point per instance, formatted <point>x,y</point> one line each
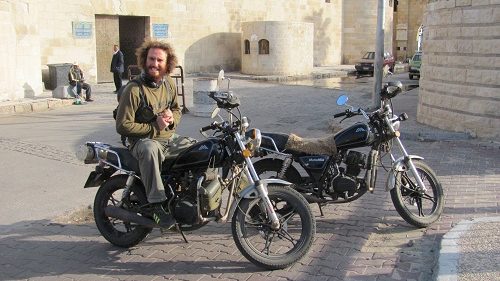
<point>247,47</point>
<point>263,47</point>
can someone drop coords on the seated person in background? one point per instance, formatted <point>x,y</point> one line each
<point>75,77</point>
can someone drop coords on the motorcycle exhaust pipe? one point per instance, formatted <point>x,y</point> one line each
<point>127,216</point>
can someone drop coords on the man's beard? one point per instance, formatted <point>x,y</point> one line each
<point>156,73</point>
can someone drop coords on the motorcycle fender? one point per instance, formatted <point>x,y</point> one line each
<point>94,179</point>
<point>97,177</point>
<point>250,192</point>
<point>398,166</point>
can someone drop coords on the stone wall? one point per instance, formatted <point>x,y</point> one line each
<point>20,51</point>
<point>290,48</point>
<point>460,83</point>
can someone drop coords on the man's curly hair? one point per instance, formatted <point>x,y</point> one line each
<point>142,54</point>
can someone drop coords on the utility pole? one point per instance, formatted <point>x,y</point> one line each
<point>379,55</point>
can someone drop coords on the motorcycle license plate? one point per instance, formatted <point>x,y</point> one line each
<point>365,68</point>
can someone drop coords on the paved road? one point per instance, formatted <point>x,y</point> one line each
<point>41,184</point>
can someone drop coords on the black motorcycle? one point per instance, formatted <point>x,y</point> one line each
<point>272,224</point>
<point>333,168</point>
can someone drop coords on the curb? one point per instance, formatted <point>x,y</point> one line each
<point>38,105</point>
<point>450,252</point>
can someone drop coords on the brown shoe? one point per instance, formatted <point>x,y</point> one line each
<point>89,100</point>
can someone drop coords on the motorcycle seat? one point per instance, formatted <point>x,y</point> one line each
<point>298,146</point>
<point>129,162</point>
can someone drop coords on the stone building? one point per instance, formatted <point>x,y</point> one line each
<point>460,74</point>
<point>408,17</point>
<point>206,34</point>
<point>277,48</point>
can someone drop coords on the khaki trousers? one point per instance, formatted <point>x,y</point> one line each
<point>150,154</point>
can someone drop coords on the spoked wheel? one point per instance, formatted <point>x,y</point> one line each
<point>117,232</point>
<point>269,248</point>
<point>416,206</point>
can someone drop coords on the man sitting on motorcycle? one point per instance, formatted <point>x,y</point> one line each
<point>148,117</point>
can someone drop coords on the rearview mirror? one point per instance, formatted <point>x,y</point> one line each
<point>342,100</point>
<point>215,113</point>
<point>220,77</point>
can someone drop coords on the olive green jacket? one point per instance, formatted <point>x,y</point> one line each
<point>159,99</point>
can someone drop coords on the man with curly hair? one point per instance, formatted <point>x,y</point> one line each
<point>148,114</point>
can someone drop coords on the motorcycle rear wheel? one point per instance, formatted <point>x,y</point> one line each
<point>268,248</point>
<point>117,232</point>
<point>416,207</point>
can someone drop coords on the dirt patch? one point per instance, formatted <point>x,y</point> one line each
<point>81,215</point>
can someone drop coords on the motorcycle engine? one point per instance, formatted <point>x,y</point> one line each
<point>354,162</point>
<point>345,184</point>
<point>185,211</point>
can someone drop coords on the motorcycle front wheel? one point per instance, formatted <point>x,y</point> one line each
<point>417,207</point>
<point>117,232</point>
<point>269,248</point>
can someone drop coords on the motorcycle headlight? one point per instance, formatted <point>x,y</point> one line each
<point>255,140</point>
<point>396,125</point>
<point>86,154</point>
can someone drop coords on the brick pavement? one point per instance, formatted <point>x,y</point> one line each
<point>362,240</point>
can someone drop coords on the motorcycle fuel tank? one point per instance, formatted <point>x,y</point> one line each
<point>356,135</point>
<point>200,155</point>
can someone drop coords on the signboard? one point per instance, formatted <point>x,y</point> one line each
<point>82,29</point>
<point>160,30</point>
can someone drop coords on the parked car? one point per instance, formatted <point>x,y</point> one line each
<point>365,65</point>
<point>415,63</point>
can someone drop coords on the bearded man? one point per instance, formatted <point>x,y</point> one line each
<point>148,114</point>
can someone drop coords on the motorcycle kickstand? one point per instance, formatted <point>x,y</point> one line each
<point>181,232</point>
<point>178,229</point>
<point>320,209</point>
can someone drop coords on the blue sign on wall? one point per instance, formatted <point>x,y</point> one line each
<point>160,30</point>
<point>82,29</point>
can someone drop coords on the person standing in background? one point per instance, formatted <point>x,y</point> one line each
<point>117,67</point>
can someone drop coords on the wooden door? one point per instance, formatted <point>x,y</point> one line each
<point>107,34</point>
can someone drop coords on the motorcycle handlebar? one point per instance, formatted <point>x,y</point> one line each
<point>209,127</point>
<point>340,114</point>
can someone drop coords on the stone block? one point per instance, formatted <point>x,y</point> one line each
<point>469,31</point>
<point>480,2</point>
<point>496,14</point>
<point>479,15</point>
<point>461,3</point>
<point>23,107</point>
<point>64,92</point>
<point>40,106</point>
<point>491,31</point>
<point>6,109</point>
<point>56,103</point>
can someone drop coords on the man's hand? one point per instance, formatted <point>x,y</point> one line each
<point>165,119</point>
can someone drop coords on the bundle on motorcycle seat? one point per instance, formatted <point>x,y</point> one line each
<point>325,145</point>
